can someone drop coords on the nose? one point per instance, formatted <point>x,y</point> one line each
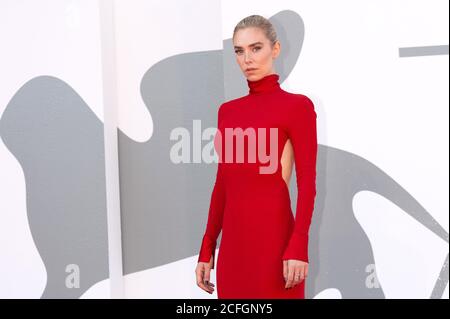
<point>247,57</point>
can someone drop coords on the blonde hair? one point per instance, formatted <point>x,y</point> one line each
<point>258,21</point>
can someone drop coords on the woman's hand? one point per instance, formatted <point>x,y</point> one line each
<point>294,272</point>
<point>202,272</point>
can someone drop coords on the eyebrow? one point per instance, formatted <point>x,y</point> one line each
<point>251,45</point>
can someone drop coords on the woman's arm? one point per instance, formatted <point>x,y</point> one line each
<point>301,129</point>
<point>215,214</point>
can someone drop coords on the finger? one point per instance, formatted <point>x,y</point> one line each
<point>285,270</point>
<point>302,274</point>
<point>290,276</point>
<point>200,281</point>
<point>206,276</point>
<point>206,279</point>
<point>199,275</point>
<point>297,276</point>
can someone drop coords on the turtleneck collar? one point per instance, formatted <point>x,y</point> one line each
<point>267,83</point>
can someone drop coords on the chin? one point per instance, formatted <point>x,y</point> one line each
<point>253,77</point>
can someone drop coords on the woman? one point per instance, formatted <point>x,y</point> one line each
<point>263,251</point>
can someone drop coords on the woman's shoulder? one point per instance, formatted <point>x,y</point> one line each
<point>299,98</point>
<point>299,102</point>
<point>229,104</point>
<point>235,101</point>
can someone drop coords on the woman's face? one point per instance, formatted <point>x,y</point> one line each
<point>254,54</point>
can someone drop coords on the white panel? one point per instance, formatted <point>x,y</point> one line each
<point>49,37</point>
<point>408,256</point>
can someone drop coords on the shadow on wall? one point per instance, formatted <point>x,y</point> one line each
<point>58,141</point>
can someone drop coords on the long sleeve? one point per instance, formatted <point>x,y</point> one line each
<point>215,214</point>
<point>302,131</point>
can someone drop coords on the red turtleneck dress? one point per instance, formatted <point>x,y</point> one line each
<point>250,201</point>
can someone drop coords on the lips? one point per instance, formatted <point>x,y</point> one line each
<point>250,69</point>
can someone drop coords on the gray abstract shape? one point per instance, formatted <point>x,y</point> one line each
<point>441,282</point>
<point>423,51</point>
<point>162,203</point>
<point>339,247</point>
<point>58,142</point>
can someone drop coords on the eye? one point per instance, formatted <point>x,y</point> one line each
<point>256,48</point>
<point>238,51</point>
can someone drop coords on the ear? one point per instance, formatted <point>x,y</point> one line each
<point>276,49</point>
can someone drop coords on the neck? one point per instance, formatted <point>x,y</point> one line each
<point>267,83</point>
